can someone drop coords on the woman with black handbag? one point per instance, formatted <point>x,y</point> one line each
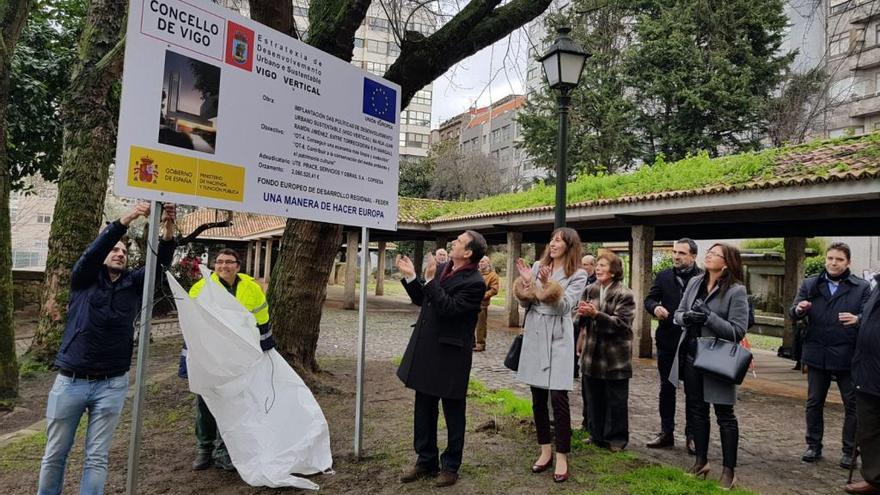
<point>714,304</point>
<point>550,291</point>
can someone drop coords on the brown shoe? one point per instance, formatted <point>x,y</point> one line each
<point>662,441</point>
<point>862,487</point>
<point>416,473</point>
<point>446,478</point>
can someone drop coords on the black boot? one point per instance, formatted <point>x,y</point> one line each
<point>203,461</point>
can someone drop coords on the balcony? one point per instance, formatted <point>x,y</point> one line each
<point>868,59</point>
<point>865,107</point>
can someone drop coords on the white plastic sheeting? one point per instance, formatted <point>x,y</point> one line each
<point>270,421</point>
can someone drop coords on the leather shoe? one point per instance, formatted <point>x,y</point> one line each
<point>811,455</point>
<point>223,461</point>
<point>862,487</point>
<point>691,446</point>
<point>446,478</point>
<point>416,473</point>
<point>846,461</point>
<point>662,441</point>
<point>203,461</point>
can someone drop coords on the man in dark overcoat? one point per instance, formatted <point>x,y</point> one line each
<point>437,361</point>
<point>866,380</point>
<point>662,301</point>
<point>831,303</point>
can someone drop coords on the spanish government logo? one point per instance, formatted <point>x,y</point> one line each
<point>239,46</point>
<point>146,170</point>
<point>380,101</point>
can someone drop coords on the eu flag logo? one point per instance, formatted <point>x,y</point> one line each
<point>380,101</point>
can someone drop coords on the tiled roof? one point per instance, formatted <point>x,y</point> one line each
<point>842,160</point>
<point>483,116</point>
<point>853,159</point>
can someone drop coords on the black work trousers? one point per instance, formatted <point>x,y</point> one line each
<point>608,404</point>
<point>561,417</point>
<point>818,382</point>
<point>665,358</point>
<point>427,410</point>
<point>698,418</point>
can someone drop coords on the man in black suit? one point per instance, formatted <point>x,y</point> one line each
<point>866,379</point>
<point>662,301</point>
<point>437,361</point>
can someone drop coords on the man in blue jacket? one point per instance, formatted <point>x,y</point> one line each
<point>95,352</point>
<point>831,302</point>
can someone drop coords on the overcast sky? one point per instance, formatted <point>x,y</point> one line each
<point>468,83</point>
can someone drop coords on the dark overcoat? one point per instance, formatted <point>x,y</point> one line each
<point>866,362</point>
<point>828,344</point>
<point>667,291</point>
<point>437,360</point>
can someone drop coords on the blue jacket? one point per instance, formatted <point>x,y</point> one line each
<point>828,344</point>
<point>99,333</point>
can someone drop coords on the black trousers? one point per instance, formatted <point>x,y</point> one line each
<point>868,435</point>
<point>609,411</point>
<point>818,382</point>
<point>427,411</point>
<point>665,358</point>
<point>561,417</point>
<point>697,411</point>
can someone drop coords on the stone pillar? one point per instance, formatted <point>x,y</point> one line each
<point>267,267</point>
<point>380,270</point>
<point>248,263</point>
<point>791,282</point>
<point>257,253</point>
<point>640,274</point>
<point>418,257</point>
<point>514,251</point>
<point>351,253</point>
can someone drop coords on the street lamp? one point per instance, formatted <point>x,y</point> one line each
<point>563,64</point>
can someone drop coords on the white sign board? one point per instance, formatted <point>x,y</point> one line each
<point>223,112</point>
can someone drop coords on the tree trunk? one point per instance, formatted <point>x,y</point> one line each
<point>12,17</point>
<point>89,117</point>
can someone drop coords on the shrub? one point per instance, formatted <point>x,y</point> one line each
<point>499,262</point>
<point>663,263</point>
<point>814,265</point>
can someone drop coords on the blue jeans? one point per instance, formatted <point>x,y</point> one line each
<point>68,400</point>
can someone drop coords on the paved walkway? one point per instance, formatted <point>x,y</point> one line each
<point>770,407</point>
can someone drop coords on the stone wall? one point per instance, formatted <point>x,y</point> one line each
<point>26,288</point>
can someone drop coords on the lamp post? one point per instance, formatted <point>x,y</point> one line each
<point>563,64</point>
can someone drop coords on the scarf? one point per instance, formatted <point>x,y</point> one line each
<point>448,272</point>
<point>683,276</point>
<point>843,276</point>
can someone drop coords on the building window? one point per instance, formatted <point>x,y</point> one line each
<point>44,218</point>
<point>393,49</point>
<point>838,6</point>
<point>13,214</point>
<point>839,44</point>
<point>380,47</point>
<point>376,68</point>
<point>422,97</point>
<point>417,140</point>
<point>301,11</point>
<point>358,42</point>
<point>842,90</point>
<point>860,87</point>
<point>378,24</point>
<point>41,244</point>
<point>26,259</point>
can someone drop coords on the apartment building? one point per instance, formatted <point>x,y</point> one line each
<point>853,58</point>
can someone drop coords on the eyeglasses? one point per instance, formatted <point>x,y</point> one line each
<point>225,262</point>
<point>711,254</point>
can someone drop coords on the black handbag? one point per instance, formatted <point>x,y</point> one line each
<point>722,359</point>
<point>511,361</point>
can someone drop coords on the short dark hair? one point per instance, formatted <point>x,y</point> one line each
<point>477,246</point>
<point>229,252</point>
<point>690,242</point>
<point>840,246</point>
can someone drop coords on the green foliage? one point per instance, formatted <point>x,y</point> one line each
<point>499,262</point>
<point>664,263</point>
<point>41,70</point>
<point>692,172</point>
<point>666,77</point>
<point>415,177</point>
<point>28,367</point>
<point>815,246</point>
<point>505,402</point>
<point>814,265</point>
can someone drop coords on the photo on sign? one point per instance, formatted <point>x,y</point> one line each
<point>190,98</point>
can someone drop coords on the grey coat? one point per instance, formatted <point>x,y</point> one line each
<point>729,321</point>
<point>547,357</point>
